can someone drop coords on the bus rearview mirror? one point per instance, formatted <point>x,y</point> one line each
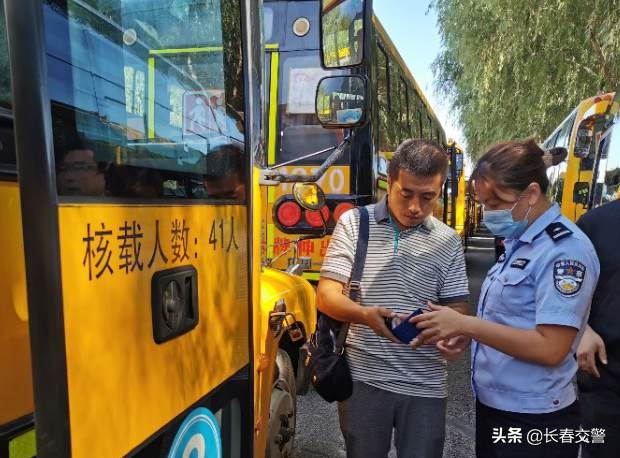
<point>341,101</point>
<point>581,192</point>
<point>309,196</point>
<point>342,32</point>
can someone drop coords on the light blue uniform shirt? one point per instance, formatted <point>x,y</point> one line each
<point>547,276</point>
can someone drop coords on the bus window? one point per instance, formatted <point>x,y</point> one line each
<point>404,122</point>
<point>563,138</point>
<point>267,23</point>
<point>607,186</point>
<point>300,130</point>
<point>413,119</point>
<point>429,128</point>
<point>394,90</point>
<point>7,152</point>
<point>550,142</point>
<point>137,107</point>
<point>383,99</point>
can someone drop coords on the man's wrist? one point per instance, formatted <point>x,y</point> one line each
<point>362,315</point>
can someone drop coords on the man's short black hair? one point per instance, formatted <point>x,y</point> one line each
<point>422,158</point>
<point>224,160</point>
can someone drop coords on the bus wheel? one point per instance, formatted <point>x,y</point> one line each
<point>283,409</point>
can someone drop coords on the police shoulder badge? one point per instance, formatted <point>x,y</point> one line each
<point>568,276</point>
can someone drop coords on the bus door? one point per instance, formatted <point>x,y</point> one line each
<point>133,171</point>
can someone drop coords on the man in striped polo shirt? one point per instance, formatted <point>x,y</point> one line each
<point>412,259</point>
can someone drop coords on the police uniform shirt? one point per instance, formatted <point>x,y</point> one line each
<point>546,277</point>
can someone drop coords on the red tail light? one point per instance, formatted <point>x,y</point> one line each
<point>289,214</point>
<point>341,208</point>
<point>313,218</point>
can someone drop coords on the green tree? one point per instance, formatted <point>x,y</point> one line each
<point>516,68</point>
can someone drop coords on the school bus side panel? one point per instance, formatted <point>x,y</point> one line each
<point>15,370</point>
<point>115,370</point>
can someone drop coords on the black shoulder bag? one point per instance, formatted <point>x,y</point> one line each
<point>329,370</point>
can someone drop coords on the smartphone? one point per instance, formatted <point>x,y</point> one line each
<point>404,331</point>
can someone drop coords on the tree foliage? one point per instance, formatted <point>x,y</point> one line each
<point>516,68</point>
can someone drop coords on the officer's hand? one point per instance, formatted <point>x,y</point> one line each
<point>591,344</point>
<point>438,324</point>
<point>374,318</point>
<point>452,348</point>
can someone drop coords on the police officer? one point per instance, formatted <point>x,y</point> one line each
<point>533,308</point>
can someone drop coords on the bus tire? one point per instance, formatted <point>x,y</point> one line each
<point>283,409</point>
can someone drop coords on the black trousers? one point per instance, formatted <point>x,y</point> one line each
<point>601,410</point>
<point>496,439</point>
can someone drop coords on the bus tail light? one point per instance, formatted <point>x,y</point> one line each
<point>289,214</point>
<point>313,218</point>
<point>341,208</point>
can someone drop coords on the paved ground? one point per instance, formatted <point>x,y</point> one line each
<point>318,431</point>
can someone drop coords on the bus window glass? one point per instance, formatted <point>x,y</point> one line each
<point>404,110</point>
<point>147,98</point>
<point>5,77</point>
<point>300,131</point>
<point>413,118</point>
<point>556,176</point>
<point>550,142</point>
<point>608,177</point>
<point>564,133</point>
<point>267,23</point>
<point>7,152</point>
<point>394,90</point>
<point>429,128</point>
<point>383,98</point>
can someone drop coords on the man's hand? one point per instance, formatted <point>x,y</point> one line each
<point>452,348</point>
<point>440,323</point>
<point>374,318</point>
<point>591,345</point>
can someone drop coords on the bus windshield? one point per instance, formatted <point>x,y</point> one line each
<point>300,131</point>
<point>607,187</point>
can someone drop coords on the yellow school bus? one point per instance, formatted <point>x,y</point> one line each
<point>454,198</point>
<point>571,179</point>
<point>605,186</point>
<point>137,317</point>
<point>298,143</point>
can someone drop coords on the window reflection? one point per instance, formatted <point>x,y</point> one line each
<point>152,90</point>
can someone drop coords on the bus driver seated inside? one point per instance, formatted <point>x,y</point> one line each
<point>225,173</point>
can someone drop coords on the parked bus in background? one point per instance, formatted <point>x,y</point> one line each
<point>454,195</point>
<point>605,186</point>
<point>399,111</point>
<point>136,318</point>
<point>579,133</point>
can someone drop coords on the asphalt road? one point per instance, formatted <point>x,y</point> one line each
<point>318,433</point>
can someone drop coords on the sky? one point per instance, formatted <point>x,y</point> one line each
<point>413,29</point>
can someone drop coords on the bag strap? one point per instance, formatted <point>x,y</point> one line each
<point>353,286</point>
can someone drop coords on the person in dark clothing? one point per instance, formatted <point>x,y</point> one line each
<point>598,353</point>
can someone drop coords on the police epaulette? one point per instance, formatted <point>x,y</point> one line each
<point>557,231</point>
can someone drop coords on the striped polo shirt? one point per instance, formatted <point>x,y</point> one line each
<point>403,270</point>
